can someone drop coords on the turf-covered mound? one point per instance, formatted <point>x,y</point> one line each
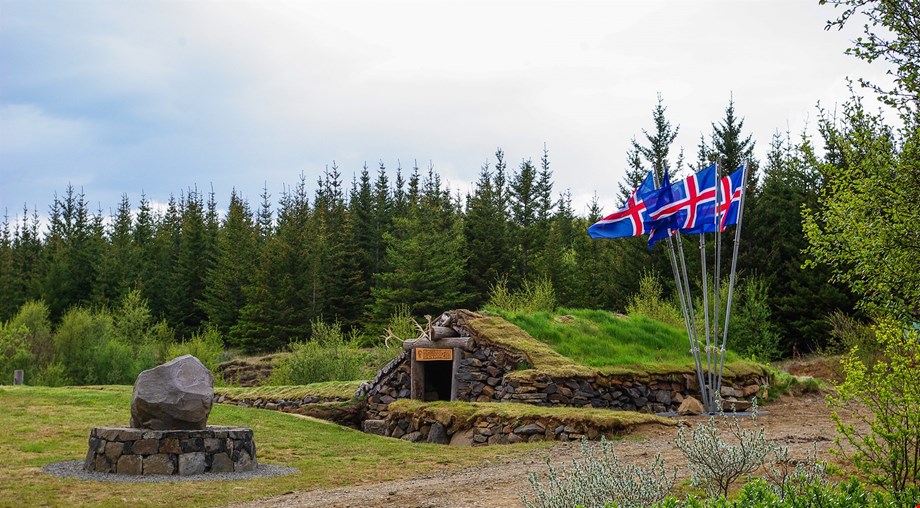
<point>495,360</point>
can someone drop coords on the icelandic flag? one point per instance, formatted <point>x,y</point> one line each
<point>731,188</point>
<point>630,220</point>
<point>662,228</point>
<point>690,203</point>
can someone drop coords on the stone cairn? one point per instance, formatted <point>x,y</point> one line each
<point>169,434</point>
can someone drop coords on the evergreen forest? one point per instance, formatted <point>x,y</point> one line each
<point>353,252</point>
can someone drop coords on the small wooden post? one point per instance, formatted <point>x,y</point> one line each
<point>455,367</point>
<point>416,378</point>
<point>18,377</point>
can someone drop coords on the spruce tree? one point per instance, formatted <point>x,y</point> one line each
<point>424,257</point>
<point>284,293</point>
<point>235,255</point>
<point>117,269</point>
<point>69,264</point>
<point>485,228</point>
<point>193,260</point>
<point>799,299</point>
<point>27,254</point>
<point>524,197</point>
<point>9,298</point>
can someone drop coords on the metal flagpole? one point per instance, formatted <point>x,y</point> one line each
<point>716,293</point>
<point>689,321</point>
<point>709,358</point>
<point>704,389</point>
<point>688,315</point>
<point>731,278</point>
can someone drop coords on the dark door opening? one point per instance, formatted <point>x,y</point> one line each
<point>439,379</point>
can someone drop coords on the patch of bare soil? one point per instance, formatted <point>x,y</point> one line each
<point>794,422</point>
<point>816,366</point>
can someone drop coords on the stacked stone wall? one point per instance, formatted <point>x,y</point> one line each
<point>133,451</point>
<point>490,430</point>
<point>483,377</point>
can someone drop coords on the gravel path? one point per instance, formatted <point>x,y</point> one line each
<point>74,469</point>
<point>793,422</point>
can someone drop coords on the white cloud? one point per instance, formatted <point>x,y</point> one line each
<point>159,96</point>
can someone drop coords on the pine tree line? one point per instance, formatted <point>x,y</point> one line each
<point>355,253</point>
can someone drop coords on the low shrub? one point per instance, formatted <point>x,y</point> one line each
<point>599,479</point>
<point>760,494</point>
<point>14,351</point>
<point>329,356</point>
<point>650,303</point>
<point>715,462</point>
<point>534,296</point>
<point>207,346</point>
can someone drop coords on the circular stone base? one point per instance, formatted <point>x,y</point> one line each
<point>125,450</point>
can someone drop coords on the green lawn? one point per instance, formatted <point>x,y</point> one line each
<point>45,425</point>
<point>612,344</point>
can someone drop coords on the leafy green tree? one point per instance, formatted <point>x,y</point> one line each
<point>865,226</point>
<point>886,444</point>
<point>891,33</point>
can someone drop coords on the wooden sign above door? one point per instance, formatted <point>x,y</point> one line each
<point>432,354</point>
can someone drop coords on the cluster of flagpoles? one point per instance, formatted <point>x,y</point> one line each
<point>655,208</point>
<point>709,377</point>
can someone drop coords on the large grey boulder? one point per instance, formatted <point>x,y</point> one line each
<point>174,396</point>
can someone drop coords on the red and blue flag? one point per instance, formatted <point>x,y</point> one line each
<point>630,220</point>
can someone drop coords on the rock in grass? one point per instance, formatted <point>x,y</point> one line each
<point>174,396</point>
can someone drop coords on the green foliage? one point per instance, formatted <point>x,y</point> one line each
<point>867,222</point>
<point>485,228</point>
<point>534,296</point>
<point>890,32</point>
<point>599,479</point>
<point>330,355</point>
<point>424,257</point>
<point>752,329</point>
<point>885,399</point>
<point>758,493</point>
<point>14,351</point>
<point>783,383</point>
<point>650,303</point>
<point>53,374</point>
<point>207,346</point>
<point>798,299</point>
<point>850,335</point>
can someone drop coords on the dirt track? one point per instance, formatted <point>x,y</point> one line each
<point>793,422</point>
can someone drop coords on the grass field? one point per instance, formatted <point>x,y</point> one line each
<point>45,425</point>
<point>613,344</point>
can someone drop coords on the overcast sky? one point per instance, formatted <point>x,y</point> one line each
<point>156,97</point>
